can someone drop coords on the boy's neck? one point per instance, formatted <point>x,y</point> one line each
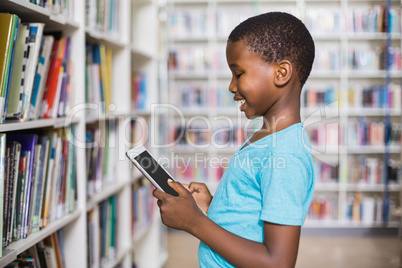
<point>274,124</point>
<point>285,113</point>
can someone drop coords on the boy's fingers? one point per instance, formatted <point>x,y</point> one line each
<point>185,185</point>
<point>194,187</point>
<point>158,194</point>
<point>178,187</point>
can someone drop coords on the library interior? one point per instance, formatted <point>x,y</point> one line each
<point>93,79</point>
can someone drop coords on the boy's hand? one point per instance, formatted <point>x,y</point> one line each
<point>178,212</point>
<point>201,194</point>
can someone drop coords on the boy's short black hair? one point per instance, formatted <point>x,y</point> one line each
<point>277,36</point>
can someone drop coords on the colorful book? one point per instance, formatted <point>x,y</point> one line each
<point>16,152</point>
<point>17,23</point>
<point>68,97</point>
<point>71,194</point>
<point>2,173</point>
<point>13,106</point>
<point>6,194</point>
<point>37,219</point>
<point>35,190</point>
<point>47,193</point>
<point>28,143</point>
<point>33,253</point>
<point>51,74</point>
<point>105,75</point>
<point>57,250</point>
<point>53,83</point>
<point>18,212</point>
<point>7,31</point>
<point>34,43</point>
<point>61,96</point>
<point>50,252</point>
<point>40,77</point>
<point>40,248</point>
<point>96,77</point>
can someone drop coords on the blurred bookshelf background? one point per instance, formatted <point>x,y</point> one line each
<point>351,108</point>
<point>351,104</point>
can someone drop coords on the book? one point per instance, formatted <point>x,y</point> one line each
<point>15,149</point>
<point>33,252</point>
<point>96,78</point>
<point>24,262</point>
<point>112,227</point>
<point>28,143</point>
<point>48,179</point>
<point>53,70</point>
<point>37,219</point>
<point>55,202</point>
<point>34,43</point>
<point>40,77</point>
<point>138,91</point>
<point>13,106</point>
<point>2,178</point>
<point>62,180</point>
<point>368,204</point>
<point>68,97</point>
<point>32,220</point>
<point>25,188</point>
<point>6,195</point>
<point>18,212</point>
<point>54,79</point>
<point>61,97</point>
<point>60,242</point>
<point>71,194</point>
<point>109,59</point>
<point>50,252</point>
<point>56,245</point>
<point>104,53</point>
<point>7,30</point>
<point>6,94</point>
<point>40,248</point>
<point>56,180</point>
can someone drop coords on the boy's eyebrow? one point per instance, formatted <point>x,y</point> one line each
<point>233,65</point>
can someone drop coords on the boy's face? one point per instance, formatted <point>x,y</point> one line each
<point>252,80</point>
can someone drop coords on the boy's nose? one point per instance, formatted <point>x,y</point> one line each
<point>232,86</point>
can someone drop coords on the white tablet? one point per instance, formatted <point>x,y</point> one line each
<point>148,166</point>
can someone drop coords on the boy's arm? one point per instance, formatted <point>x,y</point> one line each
<point>280,245</point>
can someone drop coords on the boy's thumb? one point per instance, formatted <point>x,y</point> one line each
<point>177,186</point>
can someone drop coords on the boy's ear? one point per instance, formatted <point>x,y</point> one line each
<point>283,73</point>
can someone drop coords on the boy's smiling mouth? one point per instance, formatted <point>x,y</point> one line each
<point>241,103</point>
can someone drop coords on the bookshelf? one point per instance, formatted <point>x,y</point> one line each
<point>350,93</point>
<point>114,81</point>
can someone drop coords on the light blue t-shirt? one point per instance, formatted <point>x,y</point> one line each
<point>270,180</point>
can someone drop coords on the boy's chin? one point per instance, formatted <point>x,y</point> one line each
<point>251,116</point>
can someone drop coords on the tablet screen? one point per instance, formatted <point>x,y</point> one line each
<point>160,176</point>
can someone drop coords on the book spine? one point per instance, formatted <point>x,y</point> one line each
<point>16,24</point>
<point>2,180</point>
<point>6,195</point>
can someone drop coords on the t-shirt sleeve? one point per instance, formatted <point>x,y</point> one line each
<point>283,190</point>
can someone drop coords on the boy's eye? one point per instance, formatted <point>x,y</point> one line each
<point>238,75</point>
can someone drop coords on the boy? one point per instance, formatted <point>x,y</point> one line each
<point>255,217</point>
